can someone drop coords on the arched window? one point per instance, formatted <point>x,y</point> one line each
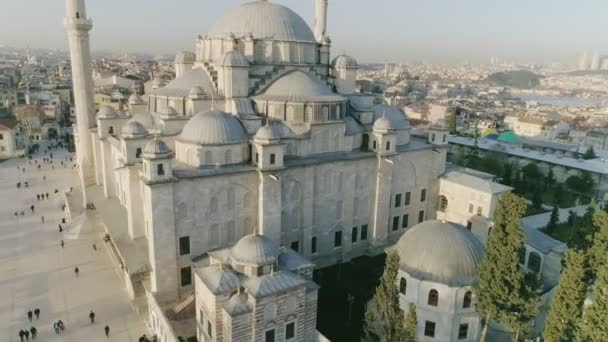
<point>208,158</point>
<point>534,261</point>
<point>308,114</point>
<point>325,113</point>
<point>291,116</point>
<point>443,204</point>
<point>433,297</point>
<point>466,302</point>
<point>230,199</point>
<point>228,156</point>
<point>111,130</point>
<point>402,286</point>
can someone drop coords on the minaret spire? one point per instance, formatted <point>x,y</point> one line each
<point>77,26</point>
<point>320,19</point>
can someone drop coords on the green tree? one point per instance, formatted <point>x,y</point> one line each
<point>411,324</point>
<point>572,217</point>
<point>549,179</point>
<point>384,319</point>
<point>589,154</point>
<point>593,327</point>
<point>503,291</point>
<point>507,174</point>
<point>553,220</point>
<point>567,305</point>
<point>450,121</point>
<point>599,248</point>
<point>537,200</point>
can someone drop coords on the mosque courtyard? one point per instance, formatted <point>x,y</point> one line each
<point>36,272</point>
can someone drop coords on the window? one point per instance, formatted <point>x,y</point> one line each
<point>186,276</point>
<point>184,245</point>
<point>228,156</point>
<point>160,170</point>
<point>374,144</point>
<point>209,329</point>
<point>469,225</point>
<point>445,137</point>
<point>420,216</point>
<point>111,130</point>
<point>397,200</point>
<point>273,158</point>
<point>468,298</point>
<point>1,136</point>
<point>354,235</point>
<point>138,152</point>
<point>408,197</point>
<point>313,245</point>
<point>402,286</point>
<point>479,211</point>
<point>463,331</point>
<point>423,195</point>
<point>433,137</point>
<point>388,145</point>
<point>290,330</point>
<point>338,238</point>
<point>295,245</point>
<point>201,317</point>
<point>433,297</point>
<point>534,261</point>
<point>363,232</point>
<point>257,157</point>
<point>471,208</point>
<point>429,329</point>
<point>208,158</point>
<point>443,204</point>
<point>395,223</point>
<point>269,336</point>
<point>405,223</point>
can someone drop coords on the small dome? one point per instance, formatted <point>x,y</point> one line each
<point>214,128</point>
<point>265,20</point>
<point>156,149</point>
<point>107,112</point>
<point>396,116</point>
<point>255,250</point>
<point>169,112</point>
<point>268,133</point>
<point>238,304</point>
<point>235,59</point>
<point>440,252</point>
<point>135,98</point>
<point>384,125</point>
<point>344,62</point>
<point>134,129</point>
<point>145,119</point>
<point>196,92</point>
<point>185,57</point>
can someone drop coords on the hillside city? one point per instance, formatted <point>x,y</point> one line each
<point>263,187</point>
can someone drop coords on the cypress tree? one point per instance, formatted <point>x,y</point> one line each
<point>411,324</point>
<point>384,320</point>
<point>503,291</point>
<point>599,248</point>
<point>567,305</point>
<point>593,327</point>
<point>553,220</point>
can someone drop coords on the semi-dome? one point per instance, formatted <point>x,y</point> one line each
<point>298,85</point>
<point>185,57</point>
<point>344,62</point>
<point>145,119</point>
<point>440,252</point>
<point>168,112</point>
<point>107,112</point>
<point>235,59</point>
<point>265,20</point>
<point>214,128</point>
<point>196,92</point>
<point>255,250</point>
<point>156,149</point>
<point>134,129</point>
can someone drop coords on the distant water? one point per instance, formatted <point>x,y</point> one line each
<point>562,100</point>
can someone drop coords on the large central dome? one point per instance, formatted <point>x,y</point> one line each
<point>264,20</point>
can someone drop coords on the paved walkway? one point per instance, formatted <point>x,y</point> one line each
<point>541,220</point>
<point>35,272</point>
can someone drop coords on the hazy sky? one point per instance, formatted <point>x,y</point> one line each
<point>378,30</point>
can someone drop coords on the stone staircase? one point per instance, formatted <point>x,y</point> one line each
<point>181,309</point>
<point>138,283</point>
<point>212,73</point>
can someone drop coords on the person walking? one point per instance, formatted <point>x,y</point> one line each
<point>38,197</point>
<point>37,313</point>
<point>32,208</point>
<point>27,334</point>
<point>60,325</point>
<point>21,335</point>
<point>60,228</point>
<point>47,195</point>
<point>56,327</point>
<point>76,270</point>
<point>34,332</point>
<point>107,330</point>
<point>62,243</point>
<point>29,315</point>
<point>92,317</point>
<point>94,247</point>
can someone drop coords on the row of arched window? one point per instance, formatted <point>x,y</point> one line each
<point>433,298</point>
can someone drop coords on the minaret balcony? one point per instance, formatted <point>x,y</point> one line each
<point>78,24</point>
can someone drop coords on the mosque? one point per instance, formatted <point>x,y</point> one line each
<point>222,190</point>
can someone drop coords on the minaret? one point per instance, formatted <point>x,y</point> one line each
<point>320,19</point>
<point>78,26</point>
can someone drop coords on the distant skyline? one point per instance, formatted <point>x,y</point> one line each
<point>372,31</point>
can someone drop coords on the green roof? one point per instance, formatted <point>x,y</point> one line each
<point>509,137</point>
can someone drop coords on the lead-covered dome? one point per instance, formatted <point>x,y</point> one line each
<point>134,129</point>
<point>107,112</point>
<point>156,149</point>
<point>440,252</point>
<point>235,59</point>
<point>255,250</point>
<point>214,128</point>
<point>264,20</point>
<point>344,62</point>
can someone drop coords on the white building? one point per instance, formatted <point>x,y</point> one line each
<point>438,266</point>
